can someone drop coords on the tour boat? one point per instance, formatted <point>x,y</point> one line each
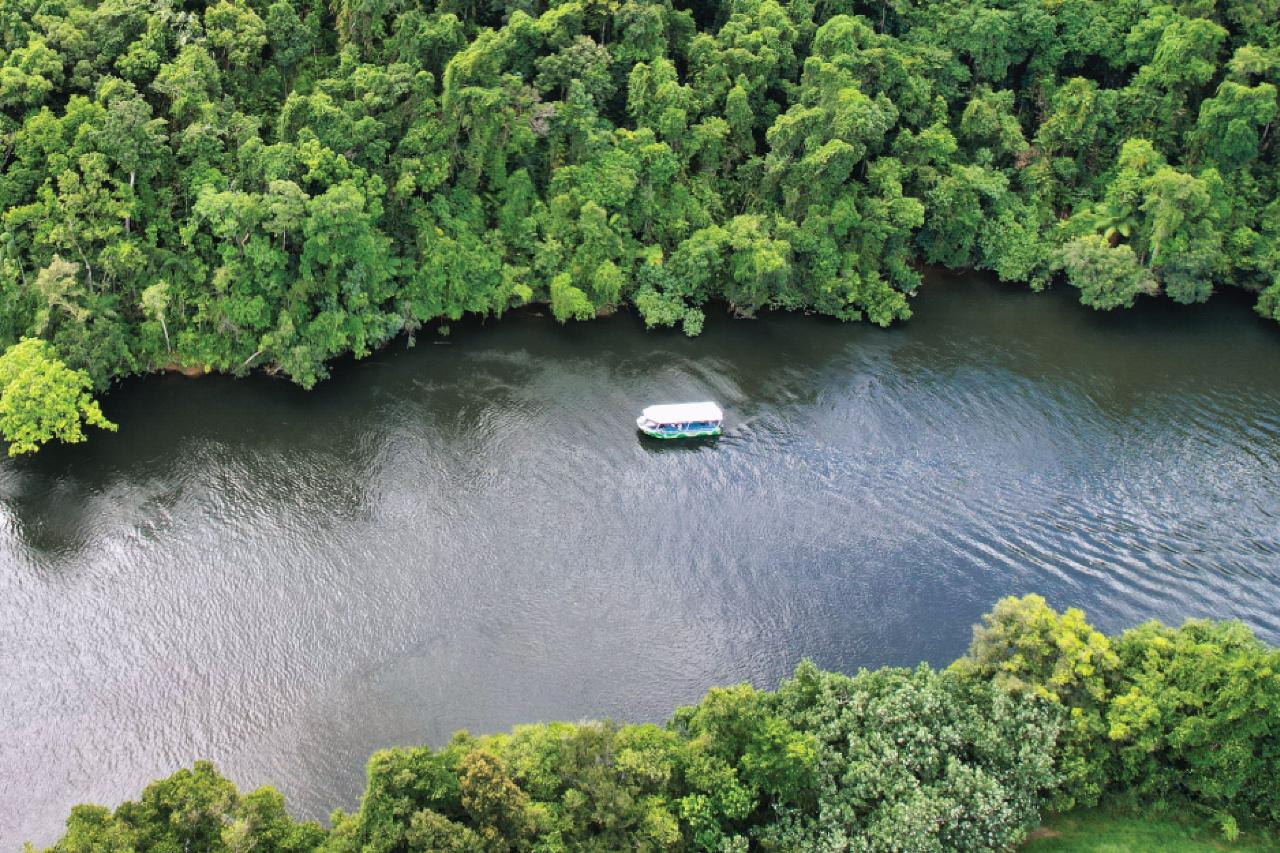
<point>681,420</point>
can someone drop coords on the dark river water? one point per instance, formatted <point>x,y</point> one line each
<point>473,535</point>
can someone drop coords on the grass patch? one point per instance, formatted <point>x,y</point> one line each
<point>1111,831</point>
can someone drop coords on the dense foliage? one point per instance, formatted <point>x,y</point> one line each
<point>42,399</point>
<point>1043,711</point>
<point>268,183</point>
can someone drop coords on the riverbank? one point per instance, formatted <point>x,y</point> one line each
<point>364,182</point>
<point>1042,712</point>
<point>473,535</point>
<point>48,418</point>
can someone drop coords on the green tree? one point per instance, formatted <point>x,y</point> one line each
<point>1229,129</point>
<point>915,760</point>
<point>29,74</point>
<point>155,302</point>
<point>1107,276</point>
<point>1195,717</point>
<point>42,399</point>
<point>1023,646</point>
<point>236,33</point>
<point>568,302</point>
<point>499,808</point>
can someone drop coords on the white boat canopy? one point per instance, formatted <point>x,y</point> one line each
<point>683,413</point>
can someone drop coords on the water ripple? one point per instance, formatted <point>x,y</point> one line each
<point>473,535</point>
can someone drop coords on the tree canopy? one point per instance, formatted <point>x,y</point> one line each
<point>248,184</point>
<point>42,399</point>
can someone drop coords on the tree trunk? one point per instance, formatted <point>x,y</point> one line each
<point>132,176</point>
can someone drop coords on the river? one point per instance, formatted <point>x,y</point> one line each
<point>472,534</point>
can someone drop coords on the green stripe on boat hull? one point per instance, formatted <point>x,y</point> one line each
<point>681,434</point>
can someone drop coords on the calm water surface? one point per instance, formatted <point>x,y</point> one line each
<point>472,535</point>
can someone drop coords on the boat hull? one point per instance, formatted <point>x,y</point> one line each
<point>682,433</point>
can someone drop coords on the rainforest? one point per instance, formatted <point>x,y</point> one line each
<point>463,535</point>
<point>254,185</point>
